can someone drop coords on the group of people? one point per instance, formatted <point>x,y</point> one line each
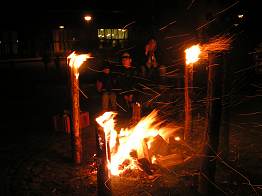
<point>118,84</point>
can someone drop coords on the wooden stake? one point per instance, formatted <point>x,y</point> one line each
<point>136,114</point>
<point>75,118</point>
<point>188,93</point>
<point>224,136</point>
<point>208,168</point>
<point>103,175</point>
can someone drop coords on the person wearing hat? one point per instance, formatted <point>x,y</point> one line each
<point>106,84</point>
<point>127,82</point>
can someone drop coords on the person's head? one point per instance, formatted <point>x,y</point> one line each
<point>106,68</point>
<point>152,43</point>
<point>126,60</point>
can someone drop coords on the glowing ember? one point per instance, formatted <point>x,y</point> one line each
<point>177,138</point>
<point>192,54</point>
<point>75,61</point>
<point>153,159</point>
<point>126,141</point>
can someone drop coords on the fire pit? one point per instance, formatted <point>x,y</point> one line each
<point>150,142</point>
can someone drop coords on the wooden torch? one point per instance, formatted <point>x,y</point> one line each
<point>75,61</point>
<point>192,56</point>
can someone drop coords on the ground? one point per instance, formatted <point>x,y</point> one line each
<point>36,160</point>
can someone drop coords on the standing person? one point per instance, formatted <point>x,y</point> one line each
<point>150,65</point>
<point>106,85</point>
<point>127,82</point>
<point>150,71</point>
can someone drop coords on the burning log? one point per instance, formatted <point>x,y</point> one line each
<point>145,165</point>
<point>188,107</point>
<point>131,148</point>
<point>169,160</point>
<point>136,115</point>
<point>103,175</point>
<point>143,158</point>
<point>143,152</point>
<point>158,146</point>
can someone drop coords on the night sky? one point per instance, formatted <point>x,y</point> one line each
<point>175,17</point>
<point>189,15</point>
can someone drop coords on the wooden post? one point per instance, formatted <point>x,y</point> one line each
<point>188,80</point>
<point>75,118</point>
<point>103,175</point>
<point>136,112</point>
<point>214,91</point>
<point>224,136</point>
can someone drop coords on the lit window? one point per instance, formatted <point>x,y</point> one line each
<point>112,34</point>
<point>112,37</point>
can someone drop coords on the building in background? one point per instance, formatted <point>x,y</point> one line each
<point>64,32</point>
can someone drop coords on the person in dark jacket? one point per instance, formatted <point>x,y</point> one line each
<point>127,82</point>
<point>106,84</point>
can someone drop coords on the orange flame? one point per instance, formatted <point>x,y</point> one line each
<point>192,54</point>
<point>125,141</point>
<point>75,61</point>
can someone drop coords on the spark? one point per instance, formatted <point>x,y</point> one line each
<point>176,36</point>
<point>128,25</point>
<point>190,5</point>
<point>148,88</point>
<point>249,114</point>
<point>202,26</point>
<point>162,28</point>
<point>227,8</point>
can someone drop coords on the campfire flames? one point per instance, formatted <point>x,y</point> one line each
<point>128,145</point>
<point>192,54</point>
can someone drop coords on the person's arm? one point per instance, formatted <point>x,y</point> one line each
<point>99,85</point>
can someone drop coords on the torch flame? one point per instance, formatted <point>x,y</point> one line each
<point>126,141</point>
<point>75,61</point>
<point>192,54</point>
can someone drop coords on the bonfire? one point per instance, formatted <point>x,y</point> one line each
<point>139,146</point>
